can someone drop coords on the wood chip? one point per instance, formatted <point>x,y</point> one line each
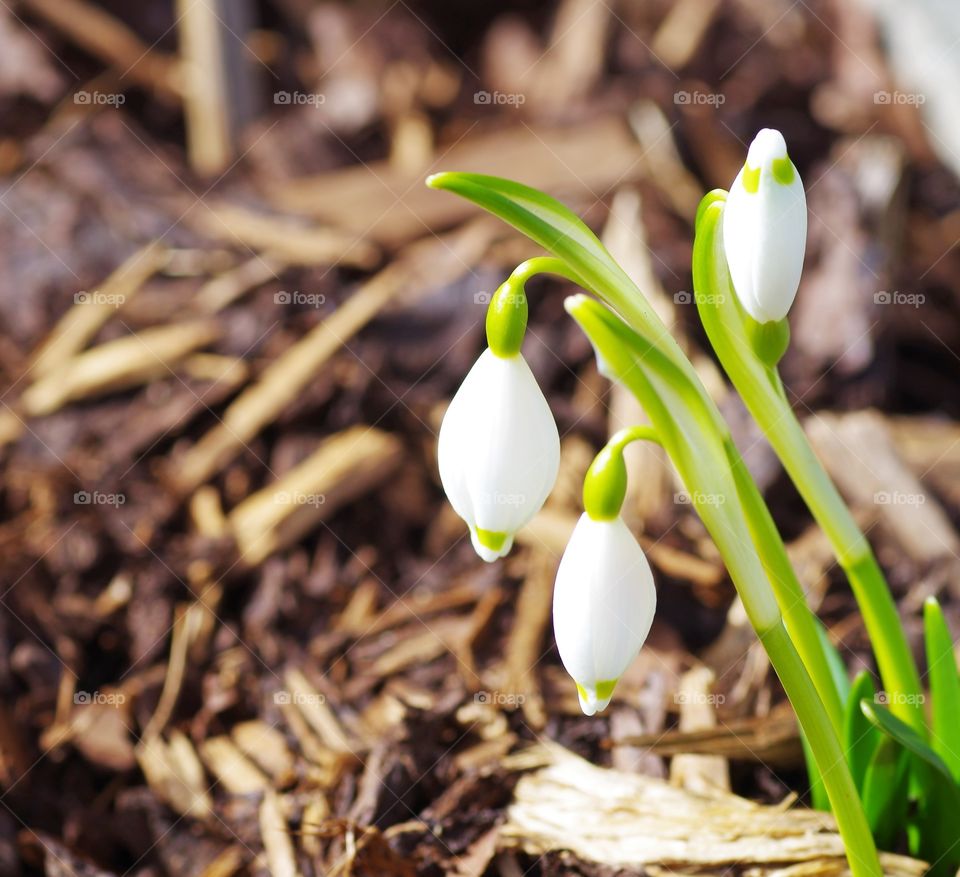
<point>107,38</point>
<point>517,678</point>
<point>91,310</point>
<point>313,705</point>
<point>860,455</point>
<point>135,359</point>
<point>698,773</point>
<point>393,207</point>
<point>237,774</point>
<point>433,263</point>
<point>625,820</point>
<point>284,238</point>
<point>277,842</point>
<point>175,774</point>
<point>344,467</point>
<point>266,746</point>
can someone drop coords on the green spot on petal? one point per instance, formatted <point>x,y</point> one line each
<point>603,689</point>
<point>491,539</point>
<point>783,170</point>
<point>751,179</point>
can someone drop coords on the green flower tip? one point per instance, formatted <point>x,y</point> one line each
<point>507,320</point>
<point>490,539</point>
<point>595,698</point>
<point>782,169</point>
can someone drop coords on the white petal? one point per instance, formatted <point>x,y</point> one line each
<point>499,449</point>
<point>765,232</point>
<point>603,606</point>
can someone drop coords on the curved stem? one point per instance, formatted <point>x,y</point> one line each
<point>797,614</point>
<point>762,391</point>
<point>710,467</point>
<point>829,754</point>
<point>638,433</point>
<point>895,660</point>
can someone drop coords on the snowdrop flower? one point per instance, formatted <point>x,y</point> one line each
<point>499,449</point>
<point>765,229</point>
<point>604,598</point>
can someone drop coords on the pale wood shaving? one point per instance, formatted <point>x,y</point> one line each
<point>175,774</point>
<point>125,362</point>
<point>344,467</point>
<point>237,773</point>
<point>430,264</point>
<point>277,841</point>
<point>626,820</point>
<point>86,317</point>
<point>698,773</point>
<point>285,239</point>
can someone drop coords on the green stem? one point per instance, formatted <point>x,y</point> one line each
<point>797,615</point>
<point>762,391</point>
<point>895,660</point>
<point>830,757</point>
<point>700,455</point>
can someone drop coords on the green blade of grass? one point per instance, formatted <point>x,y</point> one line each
<point>944,687</point>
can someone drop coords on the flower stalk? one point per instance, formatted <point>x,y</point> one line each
<point>758,382</point>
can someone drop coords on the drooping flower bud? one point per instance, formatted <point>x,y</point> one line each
<point>765,229</point>
<point>499,448</point>
<point>604,598</point>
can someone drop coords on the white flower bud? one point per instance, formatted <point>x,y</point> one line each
<point>499,451</point>
<point>603,606</point>
<point>765,229</point>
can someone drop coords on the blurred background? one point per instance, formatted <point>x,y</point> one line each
<point>241,632</point>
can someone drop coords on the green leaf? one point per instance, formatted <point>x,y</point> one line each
<point>556,228</point>
<point>819,799</point>
<point>885,792</point>
<point>860,737</point>
<point>944,687</point>
<point>838,670</point>
<point>932,830</point>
